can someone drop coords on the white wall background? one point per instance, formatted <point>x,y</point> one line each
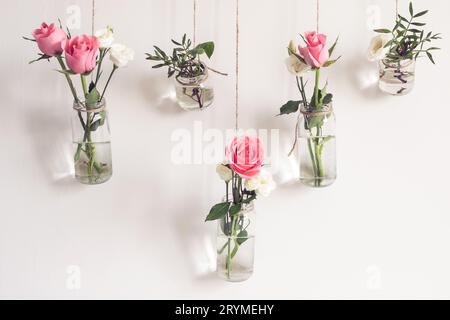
<point>382,231</point>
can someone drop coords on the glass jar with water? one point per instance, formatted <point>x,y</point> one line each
<point>317,146</point>
<point>236,244</point>
<point>192,92</point>
<point>91,143</point>
<point>397,78</point>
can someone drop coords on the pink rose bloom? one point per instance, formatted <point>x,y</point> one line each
<point>81,53</point>
<point>315,53</point>
<point>49,39</point>
<point>245,155</point>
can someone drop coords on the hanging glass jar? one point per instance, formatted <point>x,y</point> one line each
<point>192,92</point>
<point>91,143</point>
<point>317,146</point>
<point>397,78</point>
<point>236,244</point>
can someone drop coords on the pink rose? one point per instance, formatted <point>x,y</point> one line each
<point>81,53</point>
<point>49,39</point>
<point>245,155</point>
<point>315,53</point>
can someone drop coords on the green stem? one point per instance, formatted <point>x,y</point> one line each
<point>312,155</point>
<point>84,84</point>
<point>107,83</point>
<point>69,80</point>
<point>316,88</point>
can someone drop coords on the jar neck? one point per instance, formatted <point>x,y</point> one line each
<point>324,110</point>
<point>81,106</point>
<point>196,80</point>
<point>398,64</point>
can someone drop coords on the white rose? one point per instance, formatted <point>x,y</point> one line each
<point>377,50</point>
<point>293,47</point>
<point>295,66</point>
<point>263,184</point>
<point>252,184</point>
<point>224,172</point>
<point>105,37</point>
<point>266,184</point>
<point>120,55</point>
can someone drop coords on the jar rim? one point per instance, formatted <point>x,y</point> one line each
<point>403,63</point>
<point>81,106</point>
<point>246,207</point>
<point>194,80</point>
<point>326,109</point>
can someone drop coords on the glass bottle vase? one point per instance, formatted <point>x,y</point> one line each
<point>236,245</point>
<point>397,78</point>
<point>317,146</point>
<point>91,143</point>
<point>193,93</point>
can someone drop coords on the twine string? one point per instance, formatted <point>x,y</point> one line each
<point>195,23</point>
<point>237,66</point>
<point>396,9</point>
<point>318,15</point>
<point>93,17</point>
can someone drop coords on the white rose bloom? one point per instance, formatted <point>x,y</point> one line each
<point>263,184</point>
<point>252,184</point>
<point>377,50</point>
<point>224,172</point>
<point>266,184</point>
<point>293,47</point>
<point>120,55</point>
<point>295,66</point>
<point>105,37</point>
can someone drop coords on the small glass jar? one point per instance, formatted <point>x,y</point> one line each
<point>91,143</point>
<point>193,93</point>
<point>317,146</point>
<point>236,245</point>
<point>397,78</point>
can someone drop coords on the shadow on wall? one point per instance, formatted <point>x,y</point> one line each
<point>50,133</point>
<point>160,94</point>
<point>364,77</point>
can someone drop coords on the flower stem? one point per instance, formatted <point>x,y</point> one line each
<point>316,88</point>
<point>107,83</point>
<point>69,80</point>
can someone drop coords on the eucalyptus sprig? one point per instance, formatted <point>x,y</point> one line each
<point>408,39</point>
<point>185,59</point>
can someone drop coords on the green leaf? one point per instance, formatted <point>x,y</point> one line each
<point>41,57</point>
<point>290,107</point>
<point>421,14</point>
<point>92,98</point>
<point>176,43</point>
<point>331,62</point>
<point>242,237</point>
<point>218,211</point>
<point>327,99</point>
<point>67,72</point>
<point>313,122</point>
<point>234,209</point>
<point>29,39</point>
<point>207,47</point>
<point>411,10</point>
<point>159,66</point>
<point>184,39</point>
<point>331,50</point>
<point>418,24</point>
<point>430,56</point>
<point>382,31</point>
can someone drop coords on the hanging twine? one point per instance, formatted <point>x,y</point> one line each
<point>318,15</point>
<point>93,17</point>
<point>195,23</point>
<point>396,9</point>
<point>237,65</point>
